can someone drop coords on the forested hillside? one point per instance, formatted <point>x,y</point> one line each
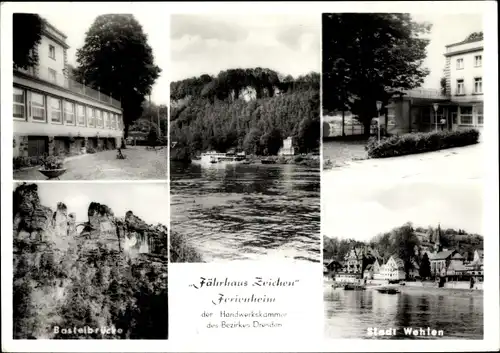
<point>251,110</point>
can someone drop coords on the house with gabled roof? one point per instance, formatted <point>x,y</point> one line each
<point>440,261</point>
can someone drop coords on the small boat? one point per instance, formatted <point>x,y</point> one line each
<point>354,287</point>
<point>388,290</point>
<point>268,161</point>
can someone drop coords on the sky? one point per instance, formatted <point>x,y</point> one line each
<point>361,211</point>
<point>154,26</point>
<point>446,29</point>
<point>148,201</point>
<point>289,44</point>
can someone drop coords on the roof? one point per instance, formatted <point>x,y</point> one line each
<point>457,256</point>
<point>443,255</point>
<point>473,37</point>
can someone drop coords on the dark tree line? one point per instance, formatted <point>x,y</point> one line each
<point>251,110</point>
<point>27,34</point>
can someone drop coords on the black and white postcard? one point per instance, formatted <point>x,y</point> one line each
<point>249,176</point>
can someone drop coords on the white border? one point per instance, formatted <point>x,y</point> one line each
<point>491,298</point>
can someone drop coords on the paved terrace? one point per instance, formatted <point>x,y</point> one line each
<point>139,164</point>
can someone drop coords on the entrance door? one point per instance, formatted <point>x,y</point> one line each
<point>37,146</point>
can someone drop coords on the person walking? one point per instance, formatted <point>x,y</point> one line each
<point>443,123</point>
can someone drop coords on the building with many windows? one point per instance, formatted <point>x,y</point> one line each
<point>459,105</point>
<point>55,114</point>
<point>464,82</point>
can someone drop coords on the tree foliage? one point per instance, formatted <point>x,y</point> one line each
<point>117,59</point>
<point>369,57</point>
<point>27,34</point>
<point>88,285</point>
<point>425,267</point>
<point>247,109</point>
<point>442,82</point>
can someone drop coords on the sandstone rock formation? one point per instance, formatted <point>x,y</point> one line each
<point>130,234</point>
<point>63,270</point>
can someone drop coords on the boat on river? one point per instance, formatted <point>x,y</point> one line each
<point>354,287</point>
<point>213,157</point>
<point>388,290</point>
<point>268,161</point>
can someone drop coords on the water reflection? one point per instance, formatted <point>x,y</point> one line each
<point>237,211</point>
<point>349,314</point>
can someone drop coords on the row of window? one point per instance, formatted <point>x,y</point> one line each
<point>478,85</point>
<point>467,116</point>
<point>41,108</point>
<point>478,62</point>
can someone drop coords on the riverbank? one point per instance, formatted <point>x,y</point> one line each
<point>450,288</point>
<point>308,160</point>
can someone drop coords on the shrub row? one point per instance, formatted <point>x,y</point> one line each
<point>420,142</point>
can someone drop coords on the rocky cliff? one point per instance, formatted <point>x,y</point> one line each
<point>107,271</point>
<point>129,234</point>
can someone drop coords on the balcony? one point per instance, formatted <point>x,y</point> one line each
<point>49,75</point>
<point>425,93</point>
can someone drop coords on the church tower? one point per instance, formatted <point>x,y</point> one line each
<point>437,239</point>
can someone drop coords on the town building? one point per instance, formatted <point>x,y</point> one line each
<point>392,270</point>
<point>456,269</point>
<point>344,277</point>
<point>56,115</point>
<point>460,104</point>
<point>353,261</point>
<point>440,262</point>
<point>287,149</point>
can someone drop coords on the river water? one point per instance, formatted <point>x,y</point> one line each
<point>459,313</point>
<point>247,212</point>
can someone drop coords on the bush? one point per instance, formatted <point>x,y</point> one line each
<point>90,150</point>
<point>420,142</point>
<point>21,162</point>
<point>298,159</point>
<point>52,162</point>
<point>181,250</point>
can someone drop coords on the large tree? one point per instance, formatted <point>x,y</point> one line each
<point>369,57</point>
<point>117,59</point>
<point>27,34</point>
<point>405,245</point>
<point>425,267</point>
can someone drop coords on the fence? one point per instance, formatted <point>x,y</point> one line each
<point>52,76</point>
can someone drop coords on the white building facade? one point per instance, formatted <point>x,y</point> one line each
<point>464,82</point>
<point>55,115</point>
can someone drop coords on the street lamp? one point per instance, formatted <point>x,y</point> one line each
<point>436,106</point>
<point>379,106</point>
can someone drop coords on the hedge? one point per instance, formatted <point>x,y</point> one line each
<point>420,142</point>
